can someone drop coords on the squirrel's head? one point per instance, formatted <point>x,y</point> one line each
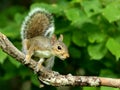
<point>59,48</point>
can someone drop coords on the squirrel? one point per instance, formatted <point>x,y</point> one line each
<point>38,40</point>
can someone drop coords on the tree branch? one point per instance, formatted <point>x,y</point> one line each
<point>54,78</point>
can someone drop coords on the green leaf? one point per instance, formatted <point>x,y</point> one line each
<point>24,72</point>
<point>77,16</point>
<point>107,73</point>
<point>75,52</point>
<point>96,37</point>
<point>94,33</point>
<point>114,47</point>
<point>9,75</point>
<point>12,30</point>
<point>53,8</point>
<point>108,88</point>
<point>72,14</point>
<point>106,2</point>
<point>10,70</point>
<point>91,7</point>
<point>90,88</point>
<point>35,81</point>
<point>2,56</point>
<point>67,39</point>
<point>79,38</point>
<point>18,18</point>
<point>61,30</point>
<point>76,1</point>
<point>97,51</point>
<point>14,62</point>
<point>112,11</point>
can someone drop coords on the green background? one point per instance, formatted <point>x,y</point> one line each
<point>91,30</point>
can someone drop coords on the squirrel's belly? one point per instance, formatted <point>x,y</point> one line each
<point>43,54</point>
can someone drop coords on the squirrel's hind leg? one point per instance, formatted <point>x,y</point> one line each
<point>25,46</point>
<point>49,63</point>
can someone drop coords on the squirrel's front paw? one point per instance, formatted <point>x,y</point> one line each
<point>27,59</point>
<point>37,68</point>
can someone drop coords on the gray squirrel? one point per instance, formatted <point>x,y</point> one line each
<point>37,38</point>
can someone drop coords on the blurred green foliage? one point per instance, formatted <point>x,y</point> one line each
<point>91,30</point>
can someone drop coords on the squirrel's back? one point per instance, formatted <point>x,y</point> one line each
<point>39,22</point>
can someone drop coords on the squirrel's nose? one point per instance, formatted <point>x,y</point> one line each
<point>67,55</point>
<point>64,56</point>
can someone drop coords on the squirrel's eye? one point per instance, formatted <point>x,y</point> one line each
<point>59,47</point>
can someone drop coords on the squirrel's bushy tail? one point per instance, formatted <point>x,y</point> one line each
<point>38,22</point>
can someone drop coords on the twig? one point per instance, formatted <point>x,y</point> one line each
<point>54,78</point>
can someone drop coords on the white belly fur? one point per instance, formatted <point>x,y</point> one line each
<point>43,54</point>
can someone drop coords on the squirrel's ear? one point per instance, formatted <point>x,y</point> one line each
<point>61,37</point>
<point>53,39</point>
